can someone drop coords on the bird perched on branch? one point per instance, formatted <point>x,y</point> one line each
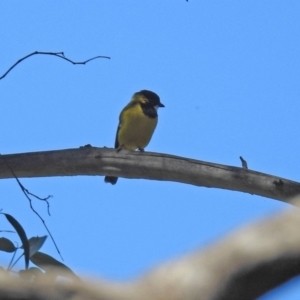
<point>137,123</point>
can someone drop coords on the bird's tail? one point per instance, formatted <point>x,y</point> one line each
<point>111,179</point>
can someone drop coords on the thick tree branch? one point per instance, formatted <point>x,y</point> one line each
<point>244,265</point>
<point>147,165</point>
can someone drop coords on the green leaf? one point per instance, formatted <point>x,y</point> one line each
<point>35,244</point>
<point>21,232</point>
<point>7,245</point>
<point>50,264</point>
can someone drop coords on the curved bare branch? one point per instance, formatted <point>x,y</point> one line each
<point>244,265</point>
<point>147,165</point>
<point>57,54</point>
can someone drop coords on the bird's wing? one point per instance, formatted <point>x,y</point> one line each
<point>116,141</point>
<point>128,106</point>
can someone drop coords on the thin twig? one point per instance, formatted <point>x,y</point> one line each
<point>57,54</point>
<point>26,193</point>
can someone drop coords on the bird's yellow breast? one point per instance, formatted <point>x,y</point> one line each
<point>135,129</point>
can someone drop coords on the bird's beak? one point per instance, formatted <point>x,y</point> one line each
<point>160,105</point>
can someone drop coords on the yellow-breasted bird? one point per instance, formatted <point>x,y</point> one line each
<point>137,122</point>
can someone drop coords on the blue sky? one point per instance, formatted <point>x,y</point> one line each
<point>228,74</point>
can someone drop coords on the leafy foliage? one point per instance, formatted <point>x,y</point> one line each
<point>45,263</point>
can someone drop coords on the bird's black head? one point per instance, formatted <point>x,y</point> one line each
<point>152,98</point>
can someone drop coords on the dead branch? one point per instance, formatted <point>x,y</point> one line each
<point>57,54</point>
<point>147,165</point>
<point>244,265</point>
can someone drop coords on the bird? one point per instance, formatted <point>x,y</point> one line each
<point>137,122</point>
